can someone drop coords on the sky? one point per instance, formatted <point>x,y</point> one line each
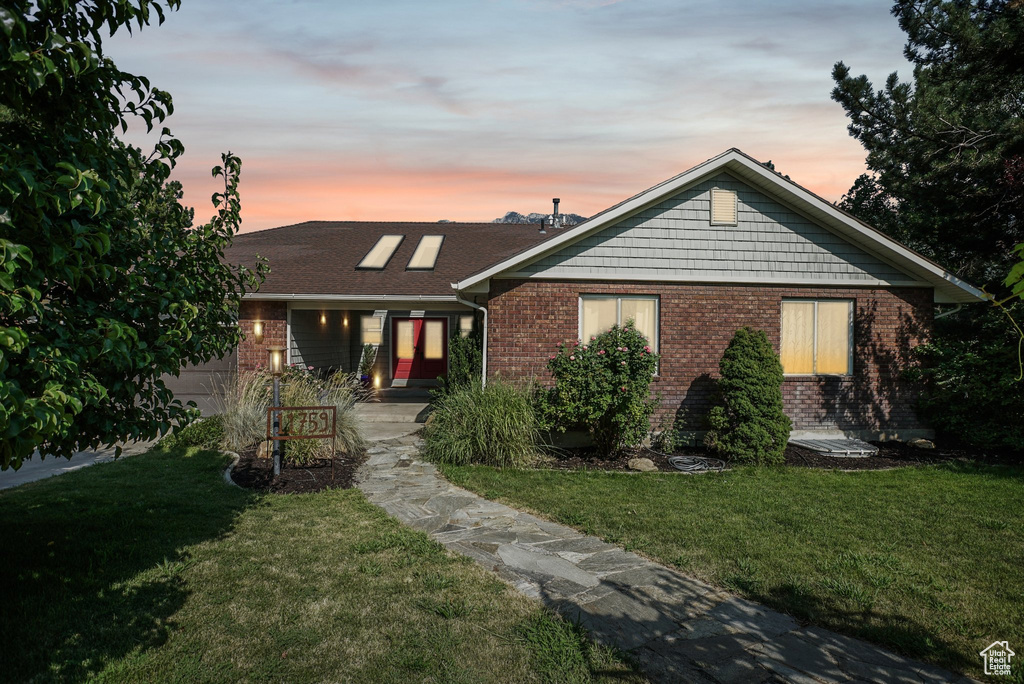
<point>393,110</point>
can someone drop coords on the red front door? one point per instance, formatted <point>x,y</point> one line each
<point>419,348</point>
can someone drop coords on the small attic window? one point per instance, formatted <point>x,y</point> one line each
<point>723,207</point>
<point>425,256</point>
<point>378,257</point>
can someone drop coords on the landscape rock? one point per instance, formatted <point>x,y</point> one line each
<point>922,443</point>
<point>644,465</point>
<point>264,450</point>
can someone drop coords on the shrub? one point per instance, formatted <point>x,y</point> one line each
<point>302,387</point>
<point>749,426</point>
<point>494,425</point>
<point>205,433</point>
<point>970,392</point>
<point>603,386</point>
<point>465,363</point>
<point>242,403</point>
<point>366,360</point>
<point>244,400</point>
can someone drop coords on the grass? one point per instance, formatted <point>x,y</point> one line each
<point>924,561</point>
<point>153,569</point>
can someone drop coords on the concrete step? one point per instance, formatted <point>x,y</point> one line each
<point>393,412</point>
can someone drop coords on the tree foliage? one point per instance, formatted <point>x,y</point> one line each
<point>104,284</point>
<point>945,150</point>
<point>749,425</point>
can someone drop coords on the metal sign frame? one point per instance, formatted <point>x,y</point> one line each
<point>315,416</point>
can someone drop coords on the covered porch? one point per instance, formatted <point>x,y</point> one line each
<point>408,339</point>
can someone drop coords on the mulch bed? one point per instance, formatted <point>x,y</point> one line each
<point>890,455</point>
<point>258,474</point>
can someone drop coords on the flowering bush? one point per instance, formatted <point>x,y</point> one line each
<point>603,386</point>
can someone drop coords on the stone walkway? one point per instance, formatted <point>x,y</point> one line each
<point>677,628</point>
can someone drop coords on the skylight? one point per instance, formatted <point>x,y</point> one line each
<point>378,257</point>
<point>425,256</point>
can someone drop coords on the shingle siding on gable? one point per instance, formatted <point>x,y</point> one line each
<point>674,239</point>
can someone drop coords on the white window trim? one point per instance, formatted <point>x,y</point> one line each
<point>814,359</point>
<point>362,332</point>
<point>618,314</point>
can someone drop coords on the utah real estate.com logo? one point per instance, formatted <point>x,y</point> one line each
<point>997,658</point>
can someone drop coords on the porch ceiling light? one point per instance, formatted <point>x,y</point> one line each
<point>257,330</point>
<point>379,256</point>
<point>276,360</point>
<point>425,256</point>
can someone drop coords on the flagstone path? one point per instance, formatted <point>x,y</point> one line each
<point>677,628</point>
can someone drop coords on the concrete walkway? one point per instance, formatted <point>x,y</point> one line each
<point>677,628</point>
<point>38,468</point>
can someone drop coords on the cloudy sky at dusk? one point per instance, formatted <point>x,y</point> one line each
<point>465,110</point>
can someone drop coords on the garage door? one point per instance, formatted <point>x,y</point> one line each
<point>200,383</point>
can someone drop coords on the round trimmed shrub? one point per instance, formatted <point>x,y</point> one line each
<point>749,425</point>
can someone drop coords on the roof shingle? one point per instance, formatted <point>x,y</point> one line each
<point>320,257</point>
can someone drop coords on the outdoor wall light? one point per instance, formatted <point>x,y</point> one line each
<point>323,319</point>
<point>257,330</point>
<point>376,381</point>
<point>345,321</point>
<point>276,362</point>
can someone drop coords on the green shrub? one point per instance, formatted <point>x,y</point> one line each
<point>205,433</point>
<point>749,426</point>
<point>366,360</point>
<point>970,392</point>
<point>465,363</point>
<point>603,387</point>
<point>494,425</point>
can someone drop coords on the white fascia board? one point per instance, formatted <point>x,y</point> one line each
<point>953,288</point>
<point>348,298</point>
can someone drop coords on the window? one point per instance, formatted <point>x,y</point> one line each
<point>465,326</point>
<point>723,207</point>
<point>425,256</point>
<point>817,337</point>
<point>371,329</point>
<point>600,313</point>
<point>433,338</point>
<point>381,253</point>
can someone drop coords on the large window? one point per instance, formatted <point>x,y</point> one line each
<point>817,337</point>
<point>599,313</point>
<point>371,327</point>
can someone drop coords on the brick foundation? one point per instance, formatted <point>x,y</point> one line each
<point>529,318</point>
<point>274,316</point>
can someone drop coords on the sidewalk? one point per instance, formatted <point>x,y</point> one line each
<point>38,468</point>
<point>677,628</point>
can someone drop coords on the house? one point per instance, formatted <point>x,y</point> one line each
<point>725,244</point>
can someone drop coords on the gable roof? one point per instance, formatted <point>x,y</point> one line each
<point>320,257</point>
<point>948,288</point>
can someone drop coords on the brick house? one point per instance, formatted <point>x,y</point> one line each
<point>725,244</point>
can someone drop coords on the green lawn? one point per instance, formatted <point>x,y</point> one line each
<point>926,561</point>
<point>153,569</point>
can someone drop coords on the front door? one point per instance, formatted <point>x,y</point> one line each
<point>419,348</point>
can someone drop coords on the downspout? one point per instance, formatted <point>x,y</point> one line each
<point>948,313</point>
<point>476,306</point>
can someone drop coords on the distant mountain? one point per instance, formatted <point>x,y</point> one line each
<point>534,217</point>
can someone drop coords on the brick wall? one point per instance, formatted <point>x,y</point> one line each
<point>274,316</point>
<point>529,318</point>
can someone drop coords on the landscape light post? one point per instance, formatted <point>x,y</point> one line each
<point>276,363</point>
